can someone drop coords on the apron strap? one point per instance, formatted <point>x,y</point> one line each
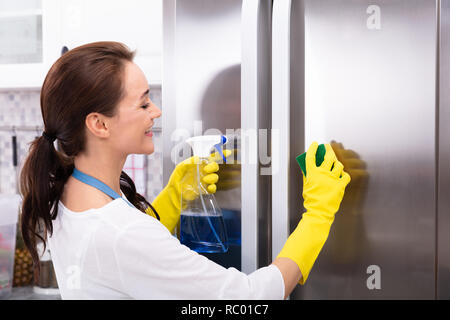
<point>85,178</point>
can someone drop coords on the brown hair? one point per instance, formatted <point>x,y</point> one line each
<point>84,80</point>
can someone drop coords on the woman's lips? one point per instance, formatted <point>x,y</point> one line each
<point>149,134</point>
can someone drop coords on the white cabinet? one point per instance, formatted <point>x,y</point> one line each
<point>33,32</point>
<point>29,41</point>
<point>137,23</point>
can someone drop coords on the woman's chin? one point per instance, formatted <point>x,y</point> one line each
<point>149,150</point>
<point>146,147</point>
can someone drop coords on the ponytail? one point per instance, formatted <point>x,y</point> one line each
<point>42,180</point>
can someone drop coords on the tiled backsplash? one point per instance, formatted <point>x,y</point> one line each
<point>22,109</point>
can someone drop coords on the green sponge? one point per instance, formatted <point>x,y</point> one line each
<point>320,155</point>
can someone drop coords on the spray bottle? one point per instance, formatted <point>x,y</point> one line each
<point>202,226</point>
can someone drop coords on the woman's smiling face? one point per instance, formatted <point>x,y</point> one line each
<point>135,116</point>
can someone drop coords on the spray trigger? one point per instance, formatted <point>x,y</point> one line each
<point>219,148</point>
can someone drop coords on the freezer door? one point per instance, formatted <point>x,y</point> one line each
<point>363,76</point>
<point>202,96</point>
<point>213,51</point>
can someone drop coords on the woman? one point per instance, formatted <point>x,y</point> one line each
<point>95,103</point>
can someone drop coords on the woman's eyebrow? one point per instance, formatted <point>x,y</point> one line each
<point>145,93</point>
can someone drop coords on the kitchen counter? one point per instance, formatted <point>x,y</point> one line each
<point>27,293</point>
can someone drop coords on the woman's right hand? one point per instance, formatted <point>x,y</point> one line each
<point>323,191</point>
<point>324,185</point>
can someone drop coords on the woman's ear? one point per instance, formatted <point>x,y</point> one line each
<point>97,124</point>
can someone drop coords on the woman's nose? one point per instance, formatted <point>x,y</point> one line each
<point>156,112</point>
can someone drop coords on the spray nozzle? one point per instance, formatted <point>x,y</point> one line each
<point>201,145</point>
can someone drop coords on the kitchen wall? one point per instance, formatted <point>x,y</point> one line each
<point>22,108</point>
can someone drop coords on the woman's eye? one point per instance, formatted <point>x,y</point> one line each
<point>145,106</point>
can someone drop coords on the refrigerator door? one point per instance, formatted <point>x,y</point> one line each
<point>213,50</point>
<point>364,77</point>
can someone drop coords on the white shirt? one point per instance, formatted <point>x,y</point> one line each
<point>118,252</point>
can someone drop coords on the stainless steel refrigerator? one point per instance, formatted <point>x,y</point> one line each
<point>369,77</point>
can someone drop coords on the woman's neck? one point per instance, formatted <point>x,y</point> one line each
<point>102,166</point>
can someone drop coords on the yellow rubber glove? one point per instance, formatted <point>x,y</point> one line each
<point>323,190</point>
<point>168,201</point>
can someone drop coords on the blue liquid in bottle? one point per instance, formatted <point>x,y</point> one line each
<point>204,233</point>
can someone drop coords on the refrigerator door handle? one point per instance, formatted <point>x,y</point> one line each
<point>280,123</point>
<point>249,116</point>
<point>255,119</point>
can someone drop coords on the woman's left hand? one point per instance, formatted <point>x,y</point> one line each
<point>184,177</point>
<point>183,182</point>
